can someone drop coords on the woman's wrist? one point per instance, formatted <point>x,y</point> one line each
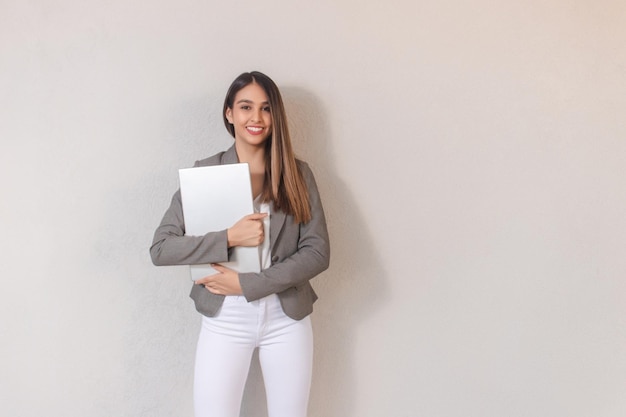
<point>230,238</point>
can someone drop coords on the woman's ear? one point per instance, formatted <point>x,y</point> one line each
<point>229,115</point>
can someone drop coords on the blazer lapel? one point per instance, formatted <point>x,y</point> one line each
<point>277,221</point>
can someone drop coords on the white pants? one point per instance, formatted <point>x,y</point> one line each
<point>225,348</point>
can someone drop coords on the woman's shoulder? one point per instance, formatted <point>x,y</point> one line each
<point>303,165</point>
<point>228,156</point>
<point>211,160</point>
<point>305,171</point>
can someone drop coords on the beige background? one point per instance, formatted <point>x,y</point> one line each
<point>472,160</point>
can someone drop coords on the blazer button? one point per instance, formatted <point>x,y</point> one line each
<point>274,259</point>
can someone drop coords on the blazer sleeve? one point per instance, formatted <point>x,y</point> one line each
<point>170,246</point>
<point>293,266</point>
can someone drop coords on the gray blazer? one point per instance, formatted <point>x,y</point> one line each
<point>299,251</point>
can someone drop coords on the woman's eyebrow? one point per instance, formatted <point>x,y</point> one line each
<point>245,100</point>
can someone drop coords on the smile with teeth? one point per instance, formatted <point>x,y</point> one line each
<point>255,130</point>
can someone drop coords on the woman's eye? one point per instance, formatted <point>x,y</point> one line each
<point>267,109</point>
<point>245,107</point>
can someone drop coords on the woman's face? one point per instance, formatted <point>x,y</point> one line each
<point>251,116</point>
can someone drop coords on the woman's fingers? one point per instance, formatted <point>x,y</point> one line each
<point>225,282</point>
<point>248,231</point>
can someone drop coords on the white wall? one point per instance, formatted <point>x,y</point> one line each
<point>471,156</point>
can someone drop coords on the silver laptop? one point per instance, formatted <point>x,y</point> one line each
<point>214,198</point>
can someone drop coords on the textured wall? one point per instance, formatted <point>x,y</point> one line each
<point>471,156</point>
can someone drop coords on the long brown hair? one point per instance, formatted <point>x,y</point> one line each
<point>284,185</point>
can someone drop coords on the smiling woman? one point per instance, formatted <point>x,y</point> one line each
<point>267,310</point>
<point>283,183</point>
<point>250,116</point>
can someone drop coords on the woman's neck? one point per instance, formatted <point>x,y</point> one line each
<point>255,158</point>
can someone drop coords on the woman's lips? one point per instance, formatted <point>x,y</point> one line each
<point>255,130</point>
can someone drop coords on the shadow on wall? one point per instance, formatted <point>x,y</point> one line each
<point>161,328</point>
<point>353,288</point>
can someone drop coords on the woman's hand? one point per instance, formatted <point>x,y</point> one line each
<point>248,231</point>
<point>225,282</point>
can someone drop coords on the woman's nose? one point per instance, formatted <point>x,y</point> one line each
<point>256,115</point>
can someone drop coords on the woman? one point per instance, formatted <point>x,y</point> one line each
<point>267,310</point>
